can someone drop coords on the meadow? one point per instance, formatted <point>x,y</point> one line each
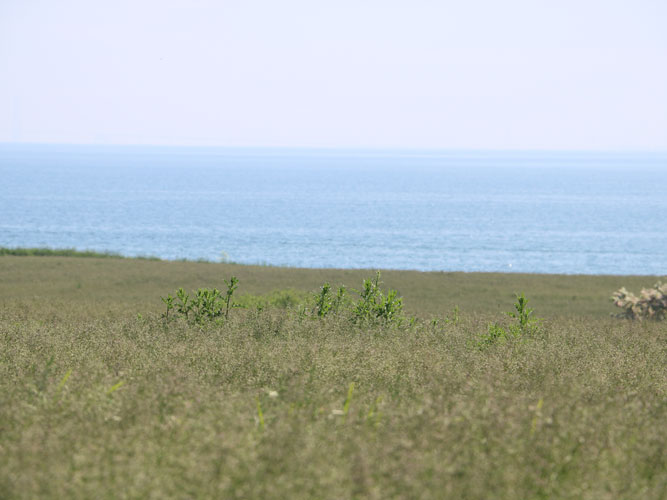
<point>101,396</point>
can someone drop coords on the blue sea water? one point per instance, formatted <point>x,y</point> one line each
<point>543,212</point>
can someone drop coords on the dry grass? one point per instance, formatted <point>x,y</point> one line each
<point>132,285</point>
<point>576,411</point>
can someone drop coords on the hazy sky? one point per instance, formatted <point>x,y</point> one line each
<point>557,74</point>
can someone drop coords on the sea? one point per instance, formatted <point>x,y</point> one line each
<point>430,210</point>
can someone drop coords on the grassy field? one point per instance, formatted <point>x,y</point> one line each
<point>101,397</point>
<point>94,286</point>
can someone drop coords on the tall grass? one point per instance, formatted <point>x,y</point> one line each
<point>98,402</point>
<point>268,405</point>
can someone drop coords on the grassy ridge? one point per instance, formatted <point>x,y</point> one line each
<point>97,402</point>
<point>134,286</point>
<point>56,252</point>
<point>64,252</point>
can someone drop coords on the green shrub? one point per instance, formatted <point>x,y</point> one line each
<point>205,304</point>
<point>326,302</point>
<point>525,324</point>
<point>496,333</point>
<point>522,313</point>
<point>375,306</point>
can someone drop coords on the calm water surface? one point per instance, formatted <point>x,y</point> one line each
<point>589,213</point>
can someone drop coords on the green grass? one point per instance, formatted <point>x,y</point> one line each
<point>96,401</point>
<point>98,286</point>
<point>64,252</point>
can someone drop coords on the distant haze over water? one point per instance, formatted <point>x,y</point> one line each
<point>541,212</point>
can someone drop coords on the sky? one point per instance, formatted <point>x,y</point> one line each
<point>474,74</point>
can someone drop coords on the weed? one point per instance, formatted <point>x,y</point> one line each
<point>63,381</point>
<point>323,301</point>
<point>115,387</point>
<point>169,301</point>
<point>348,400</point>
<point>232,285</point>
<point>185,304</point>
<point>454,319</point>
<point>375,306</point>
<point>536,417</point>
<point>374,415</point>
<point>496,333</point>
<point>522,313</point>
<point>525,324</point>
<point>205,304</point>
<point>326,302</point>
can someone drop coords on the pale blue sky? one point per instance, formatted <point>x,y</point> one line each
<point>503,74</point>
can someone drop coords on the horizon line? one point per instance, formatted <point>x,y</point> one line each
<point>441,149</point>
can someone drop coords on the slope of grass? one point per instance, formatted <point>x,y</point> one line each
<point>98,402</point>
<point>97,286</point>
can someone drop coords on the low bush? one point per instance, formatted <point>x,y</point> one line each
<point>205,304</point>
<point>525,324</point>
<point>373,306</point>
<point>651,303</point>
<point>328,303</point>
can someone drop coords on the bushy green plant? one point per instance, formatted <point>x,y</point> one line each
<point>185,305</point>
<point>454,318</point>
<point>373,305</point>
<point>232,285</point>
<point>522,313</point>
<point>204,304</point>
<point>326,302</point>
<point>207,304</point>
<point>497,333</point>
<point>323,301</point>
<point>651,303</point>
<point>525,324</point>
<point>169,302</point>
